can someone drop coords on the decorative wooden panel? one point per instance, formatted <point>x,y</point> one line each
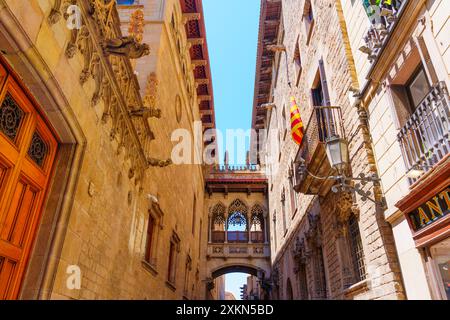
<point>27,152</point>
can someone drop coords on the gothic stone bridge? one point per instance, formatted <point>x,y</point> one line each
<point>238,236</point>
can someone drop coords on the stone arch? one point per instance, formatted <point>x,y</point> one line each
<point>257,215</point>
<point>238,215</point>
<point>238,205</point>
<point>242,268</point>
<point>218,212</point>
<point>257,224</point>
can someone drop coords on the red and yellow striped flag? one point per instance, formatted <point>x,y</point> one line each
<point>296,123</point>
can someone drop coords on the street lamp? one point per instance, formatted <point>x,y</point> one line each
<point>337,153</point>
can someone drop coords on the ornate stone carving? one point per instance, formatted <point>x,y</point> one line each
<point>115,84</point>
<point>136,27</point>
<point>217,249</point>
<point>146,113</point>
<point>126,46</point>
<point>298,249</point>
<point>344,205</point>
<point>159,163</point>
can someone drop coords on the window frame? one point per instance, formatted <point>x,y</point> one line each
<point>149,242</point>
<point>157,215</point>
<point>356,249</point>
<point>172,262</point>
<point>420,68</point>
<point>297,60</point>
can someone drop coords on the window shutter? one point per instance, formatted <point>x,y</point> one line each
<point>324,82</point>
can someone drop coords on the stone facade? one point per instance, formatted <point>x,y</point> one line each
<point>420,38</point>
<point>310,234</point>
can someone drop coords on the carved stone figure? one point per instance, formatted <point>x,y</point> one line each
<point>126,46</point>
<point>146,113</point>
<point>159,163</point>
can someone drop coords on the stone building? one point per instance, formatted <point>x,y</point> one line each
<point>329,236</point>
<point>217,291</point>
<point>90,205</point>
<point>238,226</point>
<point>402,65</point>
<point>252,289</point>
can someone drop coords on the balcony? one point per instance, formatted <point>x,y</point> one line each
<point>384,21</point>
<point>237,236</point>
<point>424,139</point>
<point>312,164</point>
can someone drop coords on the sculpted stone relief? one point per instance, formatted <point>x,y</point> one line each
<point>105,55</point>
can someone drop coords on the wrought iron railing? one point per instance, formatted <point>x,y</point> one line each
<point>424,139</point>
<point>383,19</point>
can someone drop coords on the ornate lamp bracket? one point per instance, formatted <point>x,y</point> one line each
<point>346,184</point>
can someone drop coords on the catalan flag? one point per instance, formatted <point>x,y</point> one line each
<point>296,123</point>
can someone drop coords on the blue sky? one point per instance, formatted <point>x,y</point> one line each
<point>232,35</point>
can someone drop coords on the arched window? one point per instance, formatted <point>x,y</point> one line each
<point>237,224</point>
<point>218,226</point>
<point>356,249</point>
<point>257,224</point>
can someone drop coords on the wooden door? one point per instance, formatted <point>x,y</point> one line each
<point>27,152</point>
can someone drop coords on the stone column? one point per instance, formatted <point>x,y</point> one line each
<point>266,229</point>
<point>249,233</point>
<point>226,229</point>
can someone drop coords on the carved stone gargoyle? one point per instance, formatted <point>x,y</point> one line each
<point>159,163</point>
<point>146,113</point>
<point>126,46</point>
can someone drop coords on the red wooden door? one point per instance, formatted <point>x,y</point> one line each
<point>27,152</point>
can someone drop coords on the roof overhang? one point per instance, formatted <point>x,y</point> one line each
<point>269,24</point>
<point>196,35</point>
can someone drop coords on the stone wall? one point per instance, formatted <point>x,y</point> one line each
<point>329,41</point>
<point>428,19</point>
